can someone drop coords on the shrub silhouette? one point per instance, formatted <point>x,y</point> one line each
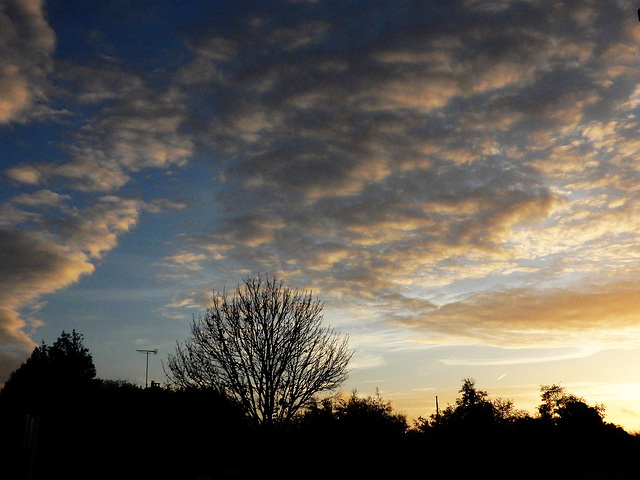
<point>355,415</point>
<point>52,376</point>
<point>371,435</point>
<point>91,428</point>
<point>482,436</point>
<point>103,429</point>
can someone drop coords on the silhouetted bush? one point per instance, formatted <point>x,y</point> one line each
<point>104,429</point>
<point>94,429</point>
<point>53,377</point>
<point>356,436</point>
<point>481,436</point>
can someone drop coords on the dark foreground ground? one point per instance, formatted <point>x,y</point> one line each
<point>341,458</point>
<point>118,431</point>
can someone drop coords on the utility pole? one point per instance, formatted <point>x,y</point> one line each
<point>146,376</point>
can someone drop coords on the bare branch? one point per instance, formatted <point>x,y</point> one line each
<point>264,346</point>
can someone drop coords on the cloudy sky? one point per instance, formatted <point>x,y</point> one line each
<point>458,181</point>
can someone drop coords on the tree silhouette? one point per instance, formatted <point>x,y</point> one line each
<point>92,428</point>
<point>372,433</point>
<point>552,396</point>
<point>355,415</point>
<point>471,410</point>
<point>62,369</point>
<point>471,396</point>
<point>567,410</point>
<point>54,387</point>
<point>263,346</point>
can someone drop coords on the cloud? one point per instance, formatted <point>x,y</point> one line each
<point>132,125</point>
<point>68,217</point>
<point>600,316</point>
<point>363,361</point>
<point>120,141</point>
<point>27,43</point>
<point>47,248</point>
<point>434,156</point>
<point>346,127</point>
<point>410,161</point>
<point>31,266</point>
<point>522,360</point>
<point>97,84</point>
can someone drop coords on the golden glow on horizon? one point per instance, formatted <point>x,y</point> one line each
<point>465,199</point>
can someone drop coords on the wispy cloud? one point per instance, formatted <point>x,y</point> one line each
<point>600,316</point>
<point>411,162</point>
<point>58,246</point>
<point>136,134</point>
<point>521,360</point>
<point>443,154</point>
<point>438,156</point>
<point>27,43</point>
<point>70,213</point>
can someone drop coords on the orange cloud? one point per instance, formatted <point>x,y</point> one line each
<point>600,316</point>
<point>41,260</point>
<point>435,162</point>
<point>27,43</point>
<point>31,266</point>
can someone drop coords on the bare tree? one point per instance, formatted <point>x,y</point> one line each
<point>263,346</point>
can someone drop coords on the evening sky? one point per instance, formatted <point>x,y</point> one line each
<point>458,181</point>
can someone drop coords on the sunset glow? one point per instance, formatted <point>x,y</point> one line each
<point>458,181</point>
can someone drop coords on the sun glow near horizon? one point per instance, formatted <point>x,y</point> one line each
<point>459,182</point>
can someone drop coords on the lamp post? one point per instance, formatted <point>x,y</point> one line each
<point>146,375</point>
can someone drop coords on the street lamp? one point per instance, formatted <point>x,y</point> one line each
<point>146,376</point>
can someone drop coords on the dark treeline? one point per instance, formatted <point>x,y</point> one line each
<point>91,428</point>
<point>104,429</point>
<point>566,437</point>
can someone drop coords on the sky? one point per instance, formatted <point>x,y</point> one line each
<point>458,182</point>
